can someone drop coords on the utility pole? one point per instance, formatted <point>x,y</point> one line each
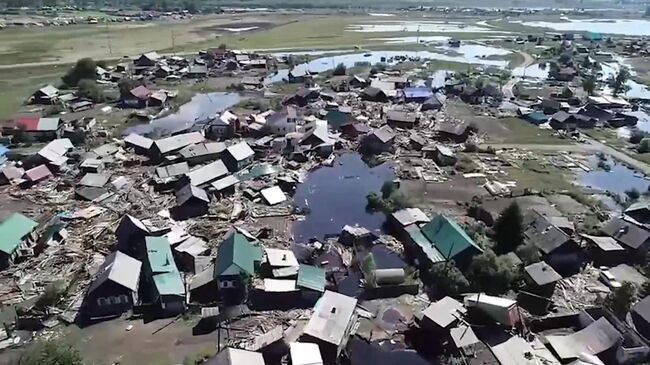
<point>108,39</point>
<point>173,43</point>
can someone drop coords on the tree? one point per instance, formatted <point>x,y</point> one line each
<point>90,90</point>
<point>637,135</point>
<point>51,353</point>
<point>340,70</point>
<point>644,146</point>
<point>491,273</point>
<point>621,299</point>
<point>388,188</point>
<point>528,254</point>
<point>509,229</point>
<point>447,279</point>
<point>589,84</point>
<point>618,83</point>
<point>223,46</point>
<point>126,85</point>
<point>85,68</point>
<point>633,194</point>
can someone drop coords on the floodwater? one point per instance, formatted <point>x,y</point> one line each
<point>470,53</point>
<point>336,196</point>
<point>618,180</point>
<point>532,71</point>
<point>636,90</point>
<point>201,106</point>
<point>635,27</point>
<point>427,26</point>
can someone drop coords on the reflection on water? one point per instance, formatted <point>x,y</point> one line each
<point>200,107</point>
<point>411,26</point>
<point>470,53</point>
<point>608,26</point>
<point>336,196</point>
<point>618,180</point>
<point>534,71</point>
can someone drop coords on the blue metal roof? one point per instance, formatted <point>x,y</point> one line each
<point>417,92</point>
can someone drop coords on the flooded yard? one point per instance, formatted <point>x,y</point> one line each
<point>200,107</point>
<point>336,196</point>
<point>617,180</point>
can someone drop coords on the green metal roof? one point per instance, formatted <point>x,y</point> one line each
<point>237,255</point>
<point>165,274</point>
<point>311,277</point>
<point>448,237</point>
<point>13,230</point>
<point>427,247</point>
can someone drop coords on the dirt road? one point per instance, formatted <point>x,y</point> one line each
<point>507,87</point>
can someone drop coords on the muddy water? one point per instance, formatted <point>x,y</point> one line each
<point>634,27</point>
<point>200,107</point>
<point>618,180</point>
<point>336,196</point>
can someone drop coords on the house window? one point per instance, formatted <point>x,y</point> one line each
<point>227,284</point>
<point>124,298</point>
<point>102,301</point>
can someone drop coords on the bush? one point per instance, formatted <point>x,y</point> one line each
<point>621,299</point>
<point>53,110</point>
<point>397,200</point>
<point>85,68</point>
<point>633,194</point>
<point>492,274</point>
<point>604,166</point>
<point>340,70</point>
<point>89,89</point>
<point>528,254</point>
<point>466,164</point>
<point>51,353</point>
<point>644,146</point>
<point>125,86</point>
<point>388,188</point>
<point>447,279</point>
<point>636,135</point>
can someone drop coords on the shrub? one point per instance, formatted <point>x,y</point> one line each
<point>509,229</point>
<point>491,274</point>
<point>89,89</point>
<point>51,353</point>
<point>340,70</point>
<point>621,299</point>
<point>85,68</point>
<point>636,135</point>
<point>447,279</point>
<point>644,146</point>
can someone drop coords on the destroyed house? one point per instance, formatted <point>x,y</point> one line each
<point>37,174</point>
<point>374,94</point>
<point>46,95</point>
<point>558,249</point>
<point>174,144</point>
<point>206,174</point>
<point>415,94</point>
<point>379,141</point>
<point>458,132</point>
<point>131,233</point>
<point>38,128</point>
<point>311,281</point>
<point>138,97</point>
<point>501,310</point>
<point>401,119</point>
<point>562,120</point>
<point>202,152</point>
<point>115,288</point>
<point>639,211</point>
<point>282,122</point>
<point>237,260</point>
<point>640,314</point>
<point>191,201</point>
<point>165,287</point>
<point>302,97</point>
<point>171,173</point>
<point>141,145</point>
<point>238,156</point>
<point>331,323</point>
<point>190,254</point>
<point>16,235</point>
<point>634,238</point>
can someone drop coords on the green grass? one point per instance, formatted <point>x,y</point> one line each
<point>17,85</point>
<point>534,175</point>
<point>522,132</point>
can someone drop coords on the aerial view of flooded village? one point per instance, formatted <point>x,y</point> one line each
<point>266,182</point>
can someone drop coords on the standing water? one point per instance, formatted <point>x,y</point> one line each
<point>336,196</point>
<point>201,106</point>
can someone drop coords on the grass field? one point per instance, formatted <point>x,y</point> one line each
<point>17,84</point>
<point>522,132</point>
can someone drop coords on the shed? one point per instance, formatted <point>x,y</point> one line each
<point>305,354</point>
<point>202,152</point>
<point>238,156</point>
<point>401,119</point>
<point>408,216</point>
<point>38,173</point>
<point>594,339</point>
<point>331,323</point>
<point>141,145</point>
<point>95,180</point>
<point>443,314</point>
<point>189,250</point>
<point>604,251</point>
<point>416,94</point>
<point>641,316</point>
<point>501,310</point>
<point>226,185</point>
<point>175,143</point>
<point>191,201</point>
<point>634,238</point>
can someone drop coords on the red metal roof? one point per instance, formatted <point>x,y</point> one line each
<point>141,92</point>
<point>28,123</point>
<point>38,173</point>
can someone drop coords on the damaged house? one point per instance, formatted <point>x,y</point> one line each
<point>115,288</point>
